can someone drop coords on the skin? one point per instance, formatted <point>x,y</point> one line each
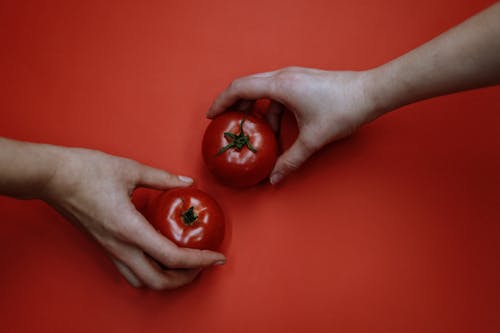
<point>92,190</point>
<point>330,105</point>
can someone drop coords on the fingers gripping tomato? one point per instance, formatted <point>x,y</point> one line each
<point>188,217</point>
<point>239,149</point>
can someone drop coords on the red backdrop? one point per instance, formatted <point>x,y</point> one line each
<point>396,229</point>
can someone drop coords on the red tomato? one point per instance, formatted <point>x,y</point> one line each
<point>188,217</point>
<point>261,106</point>
<point>239,149</point>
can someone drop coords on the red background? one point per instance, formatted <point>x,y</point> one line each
<point>396,229</point>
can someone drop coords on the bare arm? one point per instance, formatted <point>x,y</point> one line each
<point>465,57</point>
<point>25,168</point>
<point>92,189</point>
<point>329,105</point>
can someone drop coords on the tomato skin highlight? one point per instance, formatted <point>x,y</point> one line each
<point>243,167</point>
<point>167,213</point>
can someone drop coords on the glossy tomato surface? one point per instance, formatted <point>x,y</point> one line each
<point>188,217</point>
<point>239,149</point>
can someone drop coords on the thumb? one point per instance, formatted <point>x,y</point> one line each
<point>160,179</point>
<point>290,160</point>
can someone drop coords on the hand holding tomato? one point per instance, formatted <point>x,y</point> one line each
<point>240,149</point>
<point>188,217</point>
<point>93,190</point>
<point>327,106</point>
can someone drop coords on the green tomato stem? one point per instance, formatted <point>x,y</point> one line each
<point>189,217</point>
<point>237,141</point>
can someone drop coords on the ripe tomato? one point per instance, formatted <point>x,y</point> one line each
<point>188,217</point>
<point>239,149</point>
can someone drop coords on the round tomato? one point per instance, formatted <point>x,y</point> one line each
<point>240,149</point>
<point>188,217</point>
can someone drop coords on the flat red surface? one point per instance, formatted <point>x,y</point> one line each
<point>396,229</point>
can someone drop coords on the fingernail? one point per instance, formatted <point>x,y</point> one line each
<point>219,262</point>
<point>185,179</point>
<point>276,178</point>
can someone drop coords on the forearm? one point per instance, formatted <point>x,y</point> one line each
<point>25,168</point>
<point>465,57</point>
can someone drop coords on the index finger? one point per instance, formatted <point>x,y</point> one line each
<point>247,88</point>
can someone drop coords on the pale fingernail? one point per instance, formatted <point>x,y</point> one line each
<point>276,178</point>
<point>219,262</point>
<point>185,179</point>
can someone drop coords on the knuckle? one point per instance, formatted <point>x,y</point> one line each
<point>128,168</point>
<point>291,69</point>
<point>234,85</point>
<point>308,146</point>
<point>126,231</point>
<point>185,257</point>
<point>127,164</point>
<point>109,243</point>
<point>286,79</point>
<point>173,260</point>
<point>170,178</point>
<point>291,164</point>
<point>198,258</point>
<point>302,149</point>
<point>158,175</point>
<point>159,284</point>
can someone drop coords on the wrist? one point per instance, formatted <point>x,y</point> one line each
<point>49,158</point>
<point>26,168</point>
<point>60,176</point>
<point>377,92</point>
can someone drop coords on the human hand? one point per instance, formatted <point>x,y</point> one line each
<point>92,189</point>
<point>328,106</point>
